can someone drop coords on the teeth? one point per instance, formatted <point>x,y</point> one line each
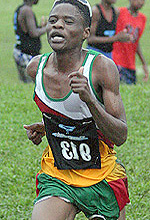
<point>58,38</point>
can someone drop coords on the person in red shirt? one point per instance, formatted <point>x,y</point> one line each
<point>133,21</point>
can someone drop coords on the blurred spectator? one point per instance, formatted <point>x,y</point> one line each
<point>124,54</point>
<point>103,27</point>
<point>28,34</point>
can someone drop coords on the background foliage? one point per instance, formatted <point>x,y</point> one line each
<point>20,159</point>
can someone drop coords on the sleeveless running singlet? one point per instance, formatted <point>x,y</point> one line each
<point>72,152</point>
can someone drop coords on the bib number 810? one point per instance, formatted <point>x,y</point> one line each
<point>69,151</point>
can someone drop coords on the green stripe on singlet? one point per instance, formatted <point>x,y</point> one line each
<point>43,55</point>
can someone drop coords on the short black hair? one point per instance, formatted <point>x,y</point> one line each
<point>82,5</point>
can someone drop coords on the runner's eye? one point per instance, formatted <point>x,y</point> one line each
<point>69,21</point>
<point>52,20</point>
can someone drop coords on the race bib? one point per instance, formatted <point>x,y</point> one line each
<point>74,143</point>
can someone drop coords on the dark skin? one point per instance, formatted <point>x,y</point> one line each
<point>66,32</point>
<point>63,68</point>
<point>123,36</point>
<point>27,21</point>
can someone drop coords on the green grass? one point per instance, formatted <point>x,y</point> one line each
<point>20,159</point>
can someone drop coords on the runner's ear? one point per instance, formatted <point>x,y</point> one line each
<point>86,33</point>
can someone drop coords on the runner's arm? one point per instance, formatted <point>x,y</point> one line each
<point>110,120</point>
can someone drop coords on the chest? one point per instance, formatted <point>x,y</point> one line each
<point>53,91</point>
<point>56,85</point>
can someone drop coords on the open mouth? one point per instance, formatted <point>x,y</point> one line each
<point>57,37</point>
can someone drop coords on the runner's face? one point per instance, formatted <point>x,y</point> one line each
<point>65,28</point>
<point>137,4</point>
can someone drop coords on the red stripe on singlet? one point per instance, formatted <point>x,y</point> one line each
<point>44,108</point>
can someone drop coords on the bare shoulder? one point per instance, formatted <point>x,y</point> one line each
<point>106,73</point>
<point>33,66</point>
<point>26,10</point>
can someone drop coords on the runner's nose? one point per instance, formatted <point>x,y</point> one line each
<point>59,24</point>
